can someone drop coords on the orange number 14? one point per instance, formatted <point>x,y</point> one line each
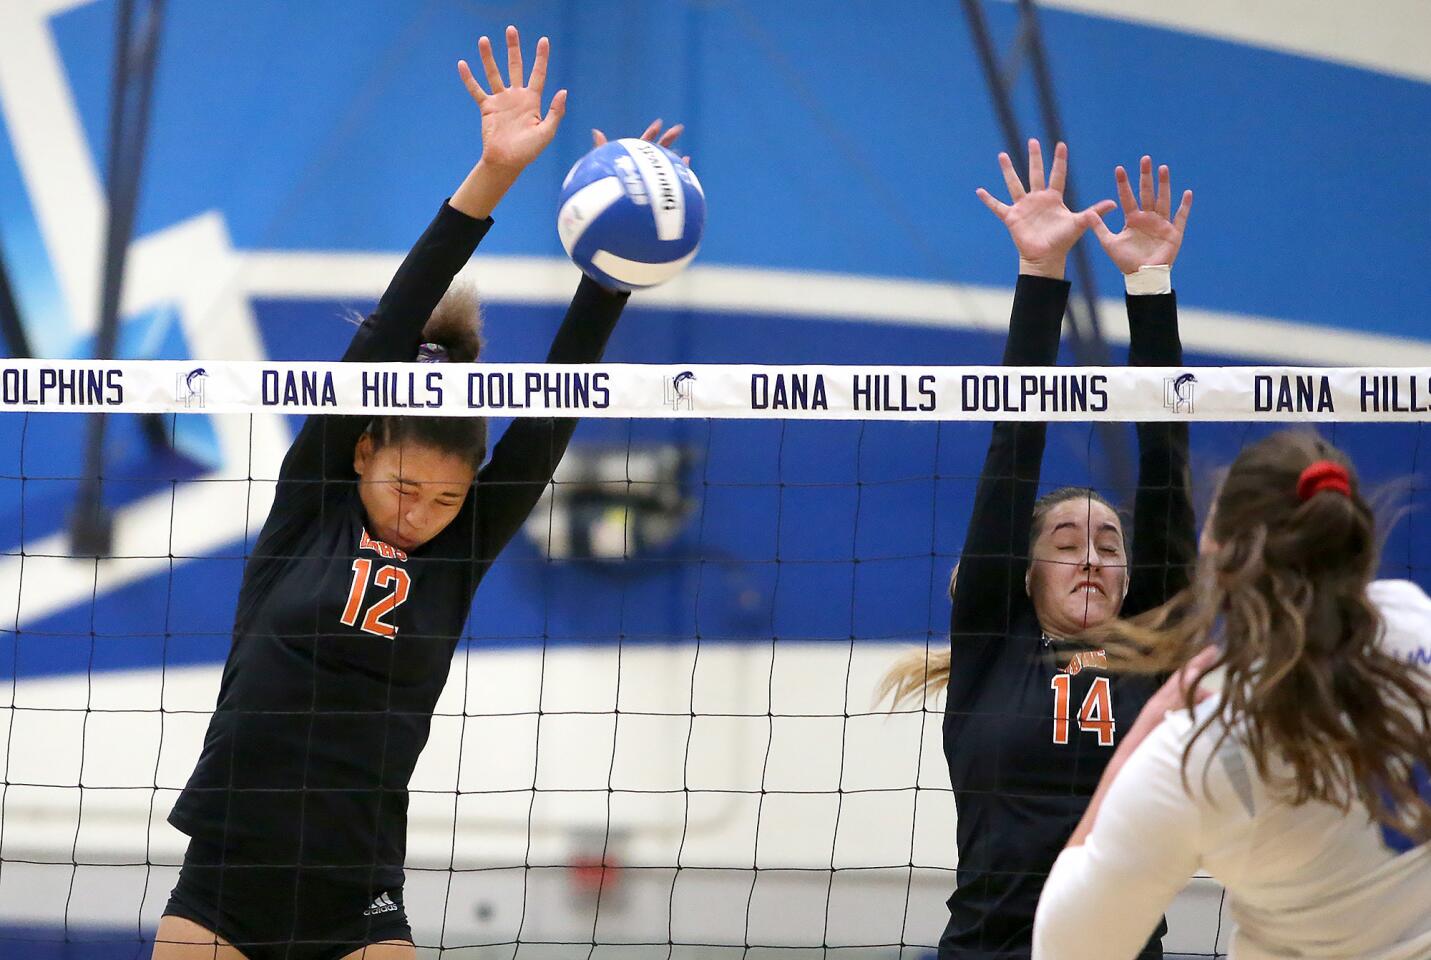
<point>372,620</point>
<point>1096,714</point>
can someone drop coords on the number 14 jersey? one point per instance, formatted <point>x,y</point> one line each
<point>1029,725</point>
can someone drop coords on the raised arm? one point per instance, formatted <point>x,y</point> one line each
<point>514,133</point>
<point>990,586</point>
<point>1164,531</point>
<point>526,457</point>
<point>989,590</point>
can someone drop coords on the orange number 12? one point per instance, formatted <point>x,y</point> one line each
<point>373,620</point>
<point>1096,714</point>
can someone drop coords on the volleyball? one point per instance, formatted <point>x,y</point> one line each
<point>632,214</point>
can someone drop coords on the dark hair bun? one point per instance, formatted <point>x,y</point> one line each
<point>456,324</point>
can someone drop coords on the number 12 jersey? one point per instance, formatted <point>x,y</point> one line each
<point>342,643</point>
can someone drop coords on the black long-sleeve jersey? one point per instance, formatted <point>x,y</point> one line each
<point>341,643</point>
<point>1027,731</point>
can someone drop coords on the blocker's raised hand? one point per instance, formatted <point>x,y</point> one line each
<point>514,131</point>
<point>1149,235</point>
<point>652,131</point>
<point>1041,225</point>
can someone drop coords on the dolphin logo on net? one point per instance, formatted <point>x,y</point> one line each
<point>1178,393</point>
<point>189,390</point>
<point>680,391</point>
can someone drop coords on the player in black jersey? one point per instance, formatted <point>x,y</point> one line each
<point>1030,722</point>
<point>353,600</point>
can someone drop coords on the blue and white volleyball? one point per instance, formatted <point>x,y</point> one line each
<point>632,214</point>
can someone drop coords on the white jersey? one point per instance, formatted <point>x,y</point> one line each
<point>1308,881</point>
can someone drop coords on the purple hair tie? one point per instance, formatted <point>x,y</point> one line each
<point>431,353</point>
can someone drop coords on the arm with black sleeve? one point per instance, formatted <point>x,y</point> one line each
<point>515,130</point>
<point>989,596</point>
<point>989,589</point>
<point>526,457</point>
<point>1164,527</point>
<point>1144,252</point>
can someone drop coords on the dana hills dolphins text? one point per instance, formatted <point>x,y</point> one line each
<point>724,391</point>
<point>917,393</point>
<point>484,390</point>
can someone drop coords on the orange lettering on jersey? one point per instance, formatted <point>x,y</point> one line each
<point>381,549</point>
<point>1086,660</point>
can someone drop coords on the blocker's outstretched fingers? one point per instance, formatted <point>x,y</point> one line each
<point>489,65</point>
<point>1165,193</point>
<point>597,137</point>
<point>1184,211</point>
<point>669,137</point>
<point>516,76</point>
<point>1101,209</point>
<point>1058,176</point>
<point>1035,166</point>
<point>555,112</point>
<point>1011,177</point>
<point>1092,220</point>
<point>651,131</point>
<point>998,208</point>
<point>1125,192</point>
<point>470,82</point>
<point>538,80</point>
<point>1146,200</point>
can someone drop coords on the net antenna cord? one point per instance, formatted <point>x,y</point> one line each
<point>137,32</point>
<point>1084,327</point>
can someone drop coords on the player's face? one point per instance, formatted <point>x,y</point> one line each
<point>1078,574</point>
<point>410,492</point>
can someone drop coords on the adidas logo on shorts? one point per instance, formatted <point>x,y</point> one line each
<point>383,904</point>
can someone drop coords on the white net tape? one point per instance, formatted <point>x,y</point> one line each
<point>724,391</point>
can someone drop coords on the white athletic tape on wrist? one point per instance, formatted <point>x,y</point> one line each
<point>1149,280</point>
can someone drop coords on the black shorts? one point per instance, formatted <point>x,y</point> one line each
<point>285,913</point>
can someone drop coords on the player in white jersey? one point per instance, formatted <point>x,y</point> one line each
<point>1302,785</point>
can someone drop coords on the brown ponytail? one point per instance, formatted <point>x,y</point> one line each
<point>1307,681</point>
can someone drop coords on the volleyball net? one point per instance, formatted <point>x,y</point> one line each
<point>659,736</point>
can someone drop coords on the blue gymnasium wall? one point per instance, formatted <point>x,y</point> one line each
<point>842,139</point>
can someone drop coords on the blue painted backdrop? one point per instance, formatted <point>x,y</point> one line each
<point>833,137</point>
<point>845,139</point>
<point>841,137</point>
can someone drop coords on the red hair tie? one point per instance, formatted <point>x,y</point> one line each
<point>1323,475</point>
